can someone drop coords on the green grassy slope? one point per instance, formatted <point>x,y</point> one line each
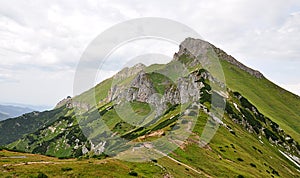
<point>95,94</point>
<point>227,155</point>
<point>13,129</point>
<point>231,153</point>
<point>273,101</point>
<point>247,144</point>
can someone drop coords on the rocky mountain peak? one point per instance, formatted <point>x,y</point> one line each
<point>129,71</point>
<point>195,47</point>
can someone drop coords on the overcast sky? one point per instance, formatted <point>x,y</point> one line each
<point>41,42</point>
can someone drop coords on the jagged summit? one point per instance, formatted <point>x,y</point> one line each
<point>199,47</point>
<point>145,112</point>
<point>194,46</point>
<point>129,71</point>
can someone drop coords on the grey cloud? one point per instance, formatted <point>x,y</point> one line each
<point>4,79</point>
<point>50,36</point>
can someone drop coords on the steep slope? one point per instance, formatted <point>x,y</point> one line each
<point>273,101</point>
<point>240,147</point>
<point>14,128</point>
<point>188,104</point>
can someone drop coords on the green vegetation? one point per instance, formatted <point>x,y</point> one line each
<point>13,129</point>
<point>257,124</point>
<point>53,140</point>
<point>42,166</point>
<point>160,82</point>
<point>269,98</point>
<point>95,94</point>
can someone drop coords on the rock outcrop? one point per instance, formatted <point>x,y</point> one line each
<point>128,71</point>
<point>142,89</point>
<point>70,103</point>
<point>198,47</point>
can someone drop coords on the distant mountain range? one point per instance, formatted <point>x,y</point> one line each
<point>254,124</point>
<point>10,111</point>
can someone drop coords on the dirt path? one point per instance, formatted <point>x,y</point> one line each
<point>29,163</point>
<point>185,165</point>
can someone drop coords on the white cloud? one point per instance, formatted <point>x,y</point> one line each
<point>280,42</point>
<point>47,38</point>
<point>37,86</point>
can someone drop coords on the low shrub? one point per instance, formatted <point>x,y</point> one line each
<point>252,165</point>
<point>240,159</point>
<point>154,160</point>
<point>133,173</point>
<point>42,175</point>
<point>66,169</point>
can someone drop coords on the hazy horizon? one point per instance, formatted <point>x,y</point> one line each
<point>42,42</point>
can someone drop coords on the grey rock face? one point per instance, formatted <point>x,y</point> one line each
<point>172,95</point>
<point>127,72</point>
<point>200,48</point>
<point>99,148</point>
<point>222,55</point>
<point>63,102</point>
<point>116,88</point>
<point>194,47</point>
<point>70,103</point>
<point>142,89</point>
<point>189,89</point>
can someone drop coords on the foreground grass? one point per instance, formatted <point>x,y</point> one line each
<point>227,155</point>
<point>34,165</point>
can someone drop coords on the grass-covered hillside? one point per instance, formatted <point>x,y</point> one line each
<point>273,101</point>
<point>14,128</point>
<point>162,116</point>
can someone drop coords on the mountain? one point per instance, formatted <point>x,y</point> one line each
<point>33,107</point>
<point>14,128</point>
<point>10,111</point>
<point>3,116</point>
<point>191,117</point>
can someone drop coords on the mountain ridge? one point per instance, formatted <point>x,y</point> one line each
<point>198,46</point>
<point>248,138</point>
<point>11,111</point>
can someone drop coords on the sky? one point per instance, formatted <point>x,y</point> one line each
<point>41,42</point>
